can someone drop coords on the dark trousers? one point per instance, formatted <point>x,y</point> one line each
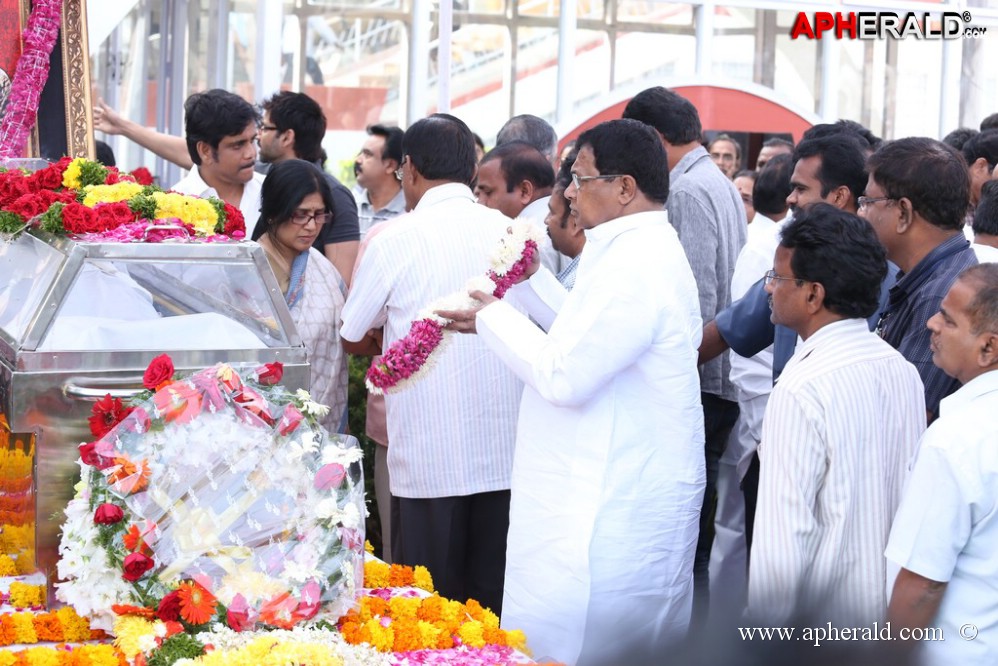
<point>750,491</point>
<point>719,416</point>
<point>461,540</point>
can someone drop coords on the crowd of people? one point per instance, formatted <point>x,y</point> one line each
<point>720,397</point>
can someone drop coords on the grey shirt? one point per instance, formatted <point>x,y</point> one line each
<point>707,212</point>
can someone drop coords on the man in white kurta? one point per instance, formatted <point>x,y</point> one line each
<point>840,428</point>
<point>945,533</point>
<point>608,471</point>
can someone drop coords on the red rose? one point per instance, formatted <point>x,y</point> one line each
<point>113,176</point>
<point>49,178</point>
<point>107,413</point>
<point>160,370</point>
<point>35,203</point>
<point>142,176</point>
<point>169,607</point>
<point>88,455</point>
<point>235,225</point>
<point>135,566</point>
<point>13,185</point>
<point>270,373</point>
<point>108,514</point>
<point>79,219</point>
<point>113,215</point>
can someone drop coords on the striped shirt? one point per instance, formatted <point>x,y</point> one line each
<point>452,431</point>
<point>913,300</point>
<point>840,429</point>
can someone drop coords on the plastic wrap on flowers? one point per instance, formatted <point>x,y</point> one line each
<point>216,498</point>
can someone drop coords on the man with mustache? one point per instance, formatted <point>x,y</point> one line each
<point>381,196</point>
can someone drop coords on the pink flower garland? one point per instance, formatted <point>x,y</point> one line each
<point>407,356</point>
<point>29,79</point>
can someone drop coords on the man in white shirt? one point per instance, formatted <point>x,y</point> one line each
<point>221,131</point>
<point>516,179</point>
<point>452,431</point>
<point>945,534</point>
<point>610,437</point>
<point>841,425</point>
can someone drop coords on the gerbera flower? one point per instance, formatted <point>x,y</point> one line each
<point>197,605</point>
<point>107,413</point>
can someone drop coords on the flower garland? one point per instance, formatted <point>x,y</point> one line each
<point>82,655</point>
<point>167,537</point>
<point>95,203</point>
<point>409,357</point>
<point>59,626</point>
<point>26,595</point>
<point>379,575</point>
<point>30,77</point>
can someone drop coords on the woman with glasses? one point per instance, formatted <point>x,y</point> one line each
<point>295,203</point>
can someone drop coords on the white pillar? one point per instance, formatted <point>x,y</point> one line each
<point>419,46</point>
<point>828,99</point>
<point>269,34</point>
<point>566,60</point>
<point>704,19</point>
<point>444,55</point>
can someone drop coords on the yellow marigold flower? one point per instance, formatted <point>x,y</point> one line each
<point>24,628</point>
<point>199,213</point>
<point>7,658</point>
<point>517,640</point>
<point>71,176</point>
<point>368,547</point>
<point>404,607</point>
<point>95,655</point>
<point>452,611</point>
<point>429,634</point>
<point>129,631</point>
<point>380,638</point>
<point>422,579</point>
<point>375,574</point>
<point>26,561</point>
<point>122,191</point>
<point>471,633</point>
<point>7,566</point>
<point>41,656</point>
<point>75,629</point>
<point>23,595</point>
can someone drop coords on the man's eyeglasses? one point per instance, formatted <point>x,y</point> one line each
<point>268,128</point>
<point>771,275</point>
<point>869,201</point>
<point>578,180</point>
<point>303,217</point>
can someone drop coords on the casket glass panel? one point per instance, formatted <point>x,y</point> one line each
<point>27,269</point>
<point>157,303</point>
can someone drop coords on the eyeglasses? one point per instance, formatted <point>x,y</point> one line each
<point>578,180</point>
<point>771,275</point>
<point>303,217</point>
<point>399,172</point>
<point>869,201</point>
<point>268,128</point>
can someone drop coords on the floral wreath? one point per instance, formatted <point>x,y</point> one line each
<point>93,202</point>
<point>213,499</point>
<point>408,358</point>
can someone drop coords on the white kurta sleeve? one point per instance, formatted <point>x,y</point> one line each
<point>934,521</point>
<point>793,464</point>
<point>541,296</point>
<point>365,306</point>
<point>600,338</point>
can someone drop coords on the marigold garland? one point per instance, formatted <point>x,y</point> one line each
<point>59,626</point>
<point>83,655</point>
<point>24,595</point>
<point>378,574</point>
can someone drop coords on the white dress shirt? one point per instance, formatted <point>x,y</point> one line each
<point>609,445</point>
<point>840,429</point>
<point>946,528</point>
<point>452,430</point>
<point>249,205</point>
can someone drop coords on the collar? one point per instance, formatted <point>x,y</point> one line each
<point>197,182</point>
<point>908,283</point>
<point>828,332</point>
<point>395,205</point>
<point>445,192</point>
<point>688,161</point>
<point>607,231</point>
<point>536,208</point>
<point>977,387</point>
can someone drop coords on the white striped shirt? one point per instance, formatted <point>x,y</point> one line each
<point>452,432</point>
<point>840,429</point>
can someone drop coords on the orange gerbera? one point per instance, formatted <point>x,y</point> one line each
<point>127,609</point>
<point>197,605</point>
<point>134,542</point>
<point>129,477</point>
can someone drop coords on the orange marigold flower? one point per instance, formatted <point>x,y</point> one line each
<point>197,605</point>
<point>399,576</point>
<point>407,636</point>
<point>431,609</point>
<point>48,627</point>
<point>126,609</point>
<point>6,630</point>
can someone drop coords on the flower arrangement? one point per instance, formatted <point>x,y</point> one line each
<point>92,202</point>
<point>168,536</point>
<point>59,626</point>
<point>30,77</point>
<point>81,655</point>
<point>408,357</point>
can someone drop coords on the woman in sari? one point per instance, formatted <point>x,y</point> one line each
<point>294,205</point>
